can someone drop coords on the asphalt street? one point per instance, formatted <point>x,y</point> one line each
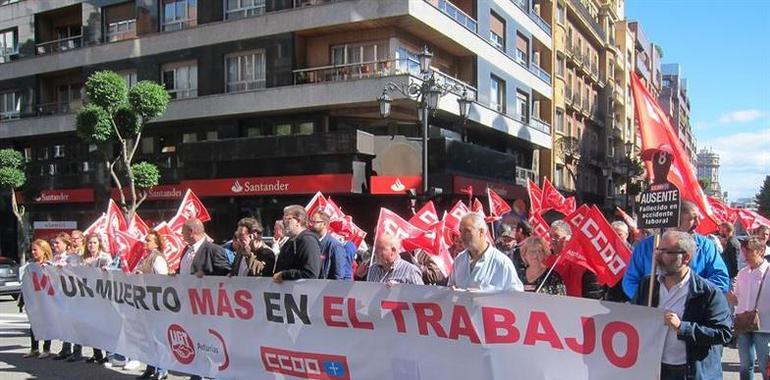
<point>14,343</point>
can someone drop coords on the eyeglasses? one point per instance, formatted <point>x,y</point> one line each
<point>316,221</point>
<point>671,251</point>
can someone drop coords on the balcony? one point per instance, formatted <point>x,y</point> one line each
<point>121,30</point>
<point>456,14</point>
<point>540,73</point>
<point>456,157</point>
<point>540,125</point>
<point>523,175</point>
<point>568,94</point>
<point>586,15</point>
<point>371,70</point>
<point>60,45</point>
<point>539,21</point>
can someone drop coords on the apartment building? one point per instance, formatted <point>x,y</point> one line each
<point>675,101</point>
<point>276,99</point>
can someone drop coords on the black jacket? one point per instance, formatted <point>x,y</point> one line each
<point>211,260</point>
<point>730,253</point>
<point>300,257</point>
<point>706,325</point>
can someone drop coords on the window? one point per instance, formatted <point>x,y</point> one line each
<point>148,145</point>
<point>522,106</point>
<point>560,65</point>
<point>129,76</point>
<point>68,93</point>
<point>559,176</point>
<point>254,132</point>
<point>236,9</point>
<point>52,169</point>
<point>189,137</point>
<point>359,53</point>
<point>10,105</point>
<point>560,13</point>
<point>27,154</point>
<point>497,31</point>
<point>121,30</point>
<point>497,94</point>
<point>212,136</point>
<point>58,151</point>
<point>282,129</point>
<point>119,22</point>
<point>306,128</point>
<point>245,71</point>
<point>559,120</point>
<point>86,167</point>
<point>9,44</point>
<point>522,49</point>
<point>179,14</point>
<point>181,79</point>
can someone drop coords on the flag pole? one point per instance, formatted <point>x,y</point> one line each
<point>653,269</point>
<point>549,273</point>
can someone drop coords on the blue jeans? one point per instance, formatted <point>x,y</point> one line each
<point>753,346</point>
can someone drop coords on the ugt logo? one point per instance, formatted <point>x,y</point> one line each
<point>42,283</point>
<point>181,344</point>
<point>305,365</point>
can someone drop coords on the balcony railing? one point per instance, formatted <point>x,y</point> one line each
<point>63,44</point>
<point>568,94</point>
<point>10,115</point>
<point>121,30</point>
<point>540,73</point>
<point>540,125</point>
<point>307,3</point>
<point>524,174</point>
<point>457,14</point>
<point>170,26</point>
<point>373,69</point>
<point>54,108</point>
<point>6,53</point>
<point>539,21</point>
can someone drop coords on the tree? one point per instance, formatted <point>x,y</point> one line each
<point>12,177</point>
<point>117,115</point>
<point>763,198</point>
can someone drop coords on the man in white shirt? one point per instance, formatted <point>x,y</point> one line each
<point>201,257</point>
<point>697,317</point>
<point>481,266</point>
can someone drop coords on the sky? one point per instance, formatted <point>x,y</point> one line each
<point>723,48</point>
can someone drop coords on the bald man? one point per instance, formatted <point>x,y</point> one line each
<point>201,258</point>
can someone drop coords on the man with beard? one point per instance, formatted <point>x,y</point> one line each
<point>697,316</point>
<point>300,256</point>
<point>336,264</point>
<point>481,266</point>
<point>707,263</point>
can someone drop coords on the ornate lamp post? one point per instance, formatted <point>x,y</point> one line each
<point>427,94</point>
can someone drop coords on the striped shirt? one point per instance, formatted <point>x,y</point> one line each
<point>401,272</point>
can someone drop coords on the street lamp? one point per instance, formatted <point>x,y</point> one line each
<point>427,93</point>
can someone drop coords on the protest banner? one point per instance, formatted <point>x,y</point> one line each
<point>252,328</point>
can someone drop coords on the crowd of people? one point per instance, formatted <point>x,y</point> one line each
<point>701,282</point>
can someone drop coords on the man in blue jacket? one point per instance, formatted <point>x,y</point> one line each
<point>697,318</point>
<point>707,262</point>
<point>336,264</point>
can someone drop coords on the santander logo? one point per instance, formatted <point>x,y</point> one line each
<point>237,188</point>
<point>397,186</point>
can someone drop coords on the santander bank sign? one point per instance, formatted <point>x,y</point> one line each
<point>286,185</point>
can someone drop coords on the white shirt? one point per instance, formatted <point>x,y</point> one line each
<point>278,244</point>
<point>493,271</point>
<point>160,266</point>
<point>674,350</point>
<point>243,270</point>
<point>746,287</point>
<point>185,266</point>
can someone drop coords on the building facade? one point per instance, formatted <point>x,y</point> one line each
<point>708,172</point>
<point>275,99</point>
<point>675,101</point>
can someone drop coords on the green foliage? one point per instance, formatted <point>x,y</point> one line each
<point>148,99</point>
<point>128,122</point>
<point>146,175</point>
<point>10,158</point>
<point>93,124</point>
<point>763,198</point>
<point>107,90</point>
<point>11,178</point>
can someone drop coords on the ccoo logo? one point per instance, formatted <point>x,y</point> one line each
<point>181,344</point>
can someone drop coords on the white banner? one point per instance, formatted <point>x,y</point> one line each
<point>247,328</point>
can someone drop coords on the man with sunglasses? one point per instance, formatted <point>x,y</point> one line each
<point>697,317</point>
<point>706,263</point>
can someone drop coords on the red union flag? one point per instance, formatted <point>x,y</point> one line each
<point>426,217</point>
<point>130,249</point>
<point>138,228</point>
<point>455,214</point>
<point>319,202</point>
<point>173,246</point>
<point>535,198</point>
<point>750,220</point>
<point>115,221</point>
<point>99,227</point>
<point>497,205</point>
<point>539,226</point>
<point>657,132</point>
<point>553,200</point>
<point>389,223</point>
<point>606,252</point>
<point>191,208</point>
<point>347,229</point>
<point>476,206</point>
<point>576,218</point>
<point>722,212</point>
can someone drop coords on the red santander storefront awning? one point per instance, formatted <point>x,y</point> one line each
<point>59,196</point>
<point>285,185</point>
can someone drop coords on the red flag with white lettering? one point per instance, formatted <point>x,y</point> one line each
<point>657,132</point>
<point>137,227</point>
<point>426,217</point>
<point>173,246</point>
<point>115,221</point>
<point>535,198</point>
<point>553,200</point>
<point>455,214</point>
<point>98,227</point>
<point>606,252</point>
<point>497,205</point>
<point>722,212</point>
<point>476,206</point>
<point>130,249</point>
<point>576,218</point>
<point>751,220</point>
<point>391,224</point>
<point>539,226</point>
<point>190,208</point>
<point>348,230</point>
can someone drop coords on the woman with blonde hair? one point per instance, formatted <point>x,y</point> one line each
<point>752,293</point>
<point>537,278</point>
<point>153,263</point>
<point>41,255</point>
